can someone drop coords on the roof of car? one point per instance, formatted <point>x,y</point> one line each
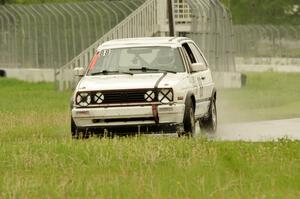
<point>144,41</point>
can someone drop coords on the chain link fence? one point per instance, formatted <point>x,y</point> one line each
<point>212,29</point>
<point>65,36</point>
<point>50,35</point>
<point>267,41</point>
<point>140,23</point>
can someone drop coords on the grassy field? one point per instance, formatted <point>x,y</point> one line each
<point>39,159</point>
<point>266,96</point>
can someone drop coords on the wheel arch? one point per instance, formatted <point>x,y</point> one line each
<point>214,94</point>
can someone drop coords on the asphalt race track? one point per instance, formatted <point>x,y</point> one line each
<point>259,131</point>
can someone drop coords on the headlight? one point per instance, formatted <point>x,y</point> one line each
<point>98,98</point>
<point>83,99</point>
<point>149,96</point>
<point>165,95</point>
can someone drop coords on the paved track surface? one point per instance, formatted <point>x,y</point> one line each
<point>259,131</point>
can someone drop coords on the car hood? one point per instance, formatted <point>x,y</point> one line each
<point>123,82</point>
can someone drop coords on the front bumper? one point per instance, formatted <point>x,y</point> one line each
<point>128,116</point>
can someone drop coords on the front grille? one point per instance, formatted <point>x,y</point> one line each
<point>123,97</point>
<point>115,97</point>
<point>118,97</point>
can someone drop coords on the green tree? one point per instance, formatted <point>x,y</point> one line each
<point>264,11</point>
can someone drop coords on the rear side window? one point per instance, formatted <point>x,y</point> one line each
<point>193,53</point>
<point>198,56</point>
<point>189,52</point>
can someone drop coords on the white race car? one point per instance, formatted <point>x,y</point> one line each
<point>145,85</point>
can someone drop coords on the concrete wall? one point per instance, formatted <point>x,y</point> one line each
<point>30,75</point>
<point>268,68</point>
<point>227,79</point>
<point>264,64</point>
<point>283,61</point>
<point>222,79</point>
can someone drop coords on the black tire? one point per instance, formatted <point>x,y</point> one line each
<point>78,133</point>
<point>210,124</point>
<point>189,122</point>
<point>73,127</point>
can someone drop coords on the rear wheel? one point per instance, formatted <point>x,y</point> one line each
<point>210,124</point>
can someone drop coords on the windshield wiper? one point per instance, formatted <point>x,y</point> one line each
<point>127,73</point>
<point>168,71</point>
<point>105,72</point>
<point>145,69</point>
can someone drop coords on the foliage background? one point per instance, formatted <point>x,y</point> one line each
<point>265,11</point>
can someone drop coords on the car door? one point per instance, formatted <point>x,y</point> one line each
<point>205,79</point>
<point>198,78</point>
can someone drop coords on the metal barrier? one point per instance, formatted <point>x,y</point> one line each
<point>50,35</point>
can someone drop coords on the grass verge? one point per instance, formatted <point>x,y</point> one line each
<point>148,167</point>
<point>266,96</point>
<point>38,158</point>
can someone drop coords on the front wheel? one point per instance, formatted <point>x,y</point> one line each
<point>78,133</point>
<point>210,124</point>
<point>189,121</point>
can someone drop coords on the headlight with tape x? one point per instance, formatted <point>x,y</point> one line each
<point>98,98</point>
<point>149,96</point>
<point>165,95</point>
<point>83,99</point>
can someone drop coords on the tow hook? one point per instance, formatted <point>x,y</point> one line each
<point>155,113</point>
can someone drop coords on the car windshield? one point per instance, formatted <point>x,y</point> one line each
<point>136,60</point>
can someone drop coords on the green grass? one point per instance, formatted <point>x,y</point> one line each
<point>148,168</point>
<point>32,110</point>
<point>266,96</point>
<point>38,159</point>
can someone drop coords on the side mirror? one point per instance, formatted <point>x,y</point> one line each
<point>198,67</point>
<point>79,71</point>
